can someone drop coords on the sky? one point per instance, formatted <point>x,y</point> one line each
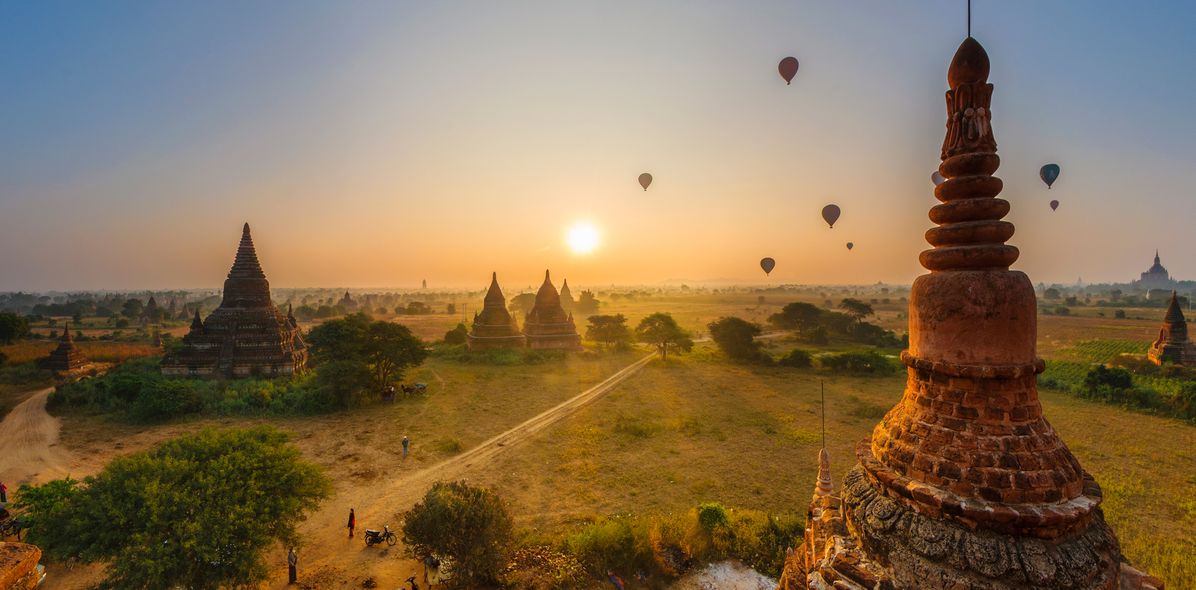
<point>378,144</point>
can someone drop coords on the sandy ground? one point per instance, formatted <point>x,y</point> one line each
<point>29,451</point>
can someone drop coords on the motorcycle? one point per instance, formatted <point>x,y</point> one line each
<point>373,537</point>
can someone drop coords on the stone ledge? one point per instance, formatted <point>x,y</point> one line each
<point>973,371</point>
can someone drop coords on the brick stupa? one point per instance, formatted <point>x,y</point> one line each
<point>547,325</point>
<point>246,335</point>
<point>67,357</point>
<point>1173,345</point>
<point>964,484</point>
<point>494,327</point>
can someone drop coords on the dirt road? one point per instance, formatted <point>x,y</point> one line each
<point>329,551</point>
<point>29,451</point>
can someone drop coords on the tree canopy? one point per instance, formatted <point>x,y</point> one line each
<point>610,330</point>
<point>197,512</point>
<point>470,525</point>
<point>736,337</point>
<point>384,349</point>
<point>662,331</point>
<point>856,308</point>
<point>13,327</point>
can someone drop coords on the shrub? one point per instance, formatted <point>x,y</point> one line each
<point>457,335</point>
<point>469,525</point>
<point>1114,378</point>
<point>1119,314</point>
<point>857,361</point>
<point>711,515</point>
<point>797,358</point>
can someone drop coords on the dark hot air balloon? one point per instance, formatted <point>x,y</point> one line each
<point>830,214</point>
<point>767,264</point>
<point>788,69</point>
<point>1049,173</point>
<point>1054,205</point>
<point>937,178</point>
<point>645,180</point>
<point>850,245</point>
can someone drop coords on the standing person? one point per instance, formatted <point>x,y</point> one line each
<point>4,488</point>
<point>405,445</point>
<point>352,522</point>
<point>292,563</point>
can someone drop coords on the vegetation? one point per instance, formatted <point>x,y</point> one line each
<point>737,339</point>
<point>611,330</point>
<point>196,512</point>
<point>662,331</point>
<point>13,327</point>
<point>469,525</point>
<point>356,346</point>
<point>858,362</point>
<point>457,335</point>
<point>815,325</point>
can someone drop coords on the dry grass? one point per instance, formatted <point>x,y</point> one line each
<point>104,352</point>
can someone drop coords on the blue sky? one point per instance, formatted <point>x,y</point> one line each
<point>377,144</point>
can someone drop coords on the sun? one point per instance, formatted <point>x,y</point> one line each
<point>582,237</point>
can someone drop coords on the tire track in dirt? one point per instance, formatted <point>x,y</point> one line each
<point>29,451</point>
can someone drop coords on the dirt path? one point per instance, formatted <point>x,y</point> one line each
<point>29,451</point>
<point>326,547</point>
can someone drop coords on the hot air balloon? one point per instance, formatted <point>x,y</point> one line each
<point>645,180</point>
<point>1049,173</point>
<point>767,264</point>
<point>937,178</point>
<point>788,69</point>
<point>850,245</point>
<point>1054,205</point>
<point>830,214</point>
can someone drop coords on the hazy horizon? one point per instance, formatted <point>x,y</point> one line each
<point>383,144</point>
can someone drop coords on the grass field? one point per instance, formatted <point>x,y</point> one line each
<point>698,428</point>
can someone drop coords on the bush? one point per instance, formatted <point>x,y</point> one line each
<point>469,525</point>
<point>711,515</point>
<point>858,362</point>
<point>798,359</point>
<point>737,339</point>
<point>1119,314</point>
<point>457,335</point>
<point>1113,378</point>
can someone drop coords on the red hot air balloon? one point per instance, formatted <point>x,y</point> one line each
<point>850,245</point>
<point>1054,205</point>
<point>645,180</point>
<point>767,264</point>
<point>830,214</point>
<point>788,69</point>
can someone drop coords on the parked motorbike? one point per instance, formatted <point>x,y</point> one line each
<point>373,537</point>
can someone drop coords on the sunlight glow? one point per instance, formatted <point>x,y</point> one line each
<point>582,237</point>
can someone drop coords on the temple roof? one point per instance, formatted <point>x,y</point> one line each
<point>246,266</point>
<point>197,322</point>
<point>547,295</point>
<point>494,294</point>
<point>1174,313</point>
<point>1157,267</point>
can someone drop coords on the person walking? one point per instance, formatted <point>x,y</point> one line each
<point>4,489</point>
<point>292,563</point>
<point>406,443</point>
<point>352,522</point>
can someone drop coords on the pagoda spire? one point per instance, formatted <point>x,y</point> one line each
<point>246,265</point>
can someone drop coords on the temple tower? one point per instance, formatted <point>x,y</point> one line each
<point>494,327</point>
<point>246,335</point>
<point>1172,345</point>
<point>566,297</point>
<point>964,484</point>
<point>547,326</point>
<point>66,357</point>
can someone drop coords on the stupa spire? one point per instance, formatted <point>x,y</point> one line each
<point>246,265</point>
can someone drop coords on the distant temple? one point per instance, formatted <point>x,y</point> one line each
<point>547,326</point>
<point>246,335</point>
<point>494,327</point>
<point>1156,277</point>
<point>67,357</point>
<point>964,484</point>
<point>1172,345</point>
<point>347,302</point>
<point>566,297</point>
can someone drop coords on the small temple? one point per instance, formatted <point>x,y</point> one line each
<point>1156,277</point>
<point>67,357</point>
<point>246,335</point>
<point>547,325</point>
<point>964,484</point>
<point>1172,345</point>
<point>494,327</point>
<point>567,301</point>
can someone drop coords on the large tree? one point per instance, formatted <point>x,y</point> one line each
<point>798,316</point>
<point>736,337</point>
<point>196,512</point>
<point>470,525</point>
<point>385,349</point>
<point>856,309</point>
<point>610,330</point>
<point>662,331</point>
<point>13,327</point>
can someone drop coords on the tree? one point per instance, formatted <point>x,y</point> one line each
<point>457,335</point>
<point>586,303</point>
<point>855,308</point>
<point>1051,293</point>
<point>469,525</point>
<point>610,330</point>
<point>523,302</point>
<point>384,349</point>
<point>662,331</point>
<point>197,512</point>
<point>132,309</point>
<point>450,308</point>
<point>798,316</point>
<point>13,327</point>
<point>736,337</point>
<point>1119,314</point>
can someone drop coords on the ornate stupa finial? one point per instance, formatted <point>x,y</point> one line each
<point>825,486</point>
